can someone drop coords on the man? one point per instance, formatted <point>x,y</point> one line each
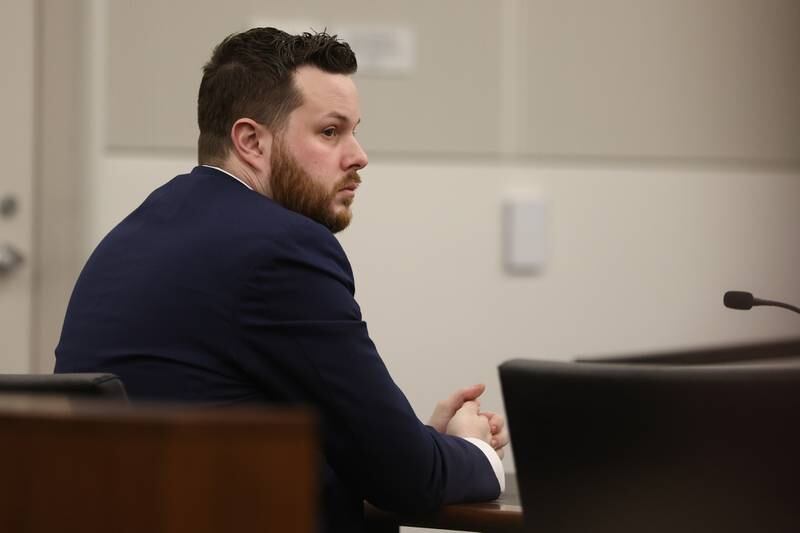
<point>227,285</point>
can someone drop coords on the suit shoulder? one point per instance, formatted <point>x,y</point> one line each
<point>299,272</point>
<point>293,233</point>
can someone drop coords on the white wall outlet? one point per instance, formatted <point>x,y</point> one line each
<point>524,225</point>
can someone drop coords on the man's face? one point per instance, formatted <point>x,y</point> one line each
<point>315,159</point>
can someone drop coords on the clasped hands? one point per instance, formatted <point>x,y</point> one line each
<point>460,415</point>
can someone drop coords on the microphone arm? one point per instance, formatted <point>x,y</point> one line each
<point>772,303</point>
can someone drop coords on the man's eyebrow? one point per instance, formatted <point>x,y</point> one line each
<point>340,116</point>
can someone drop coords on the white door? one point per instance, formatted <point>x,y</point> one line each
<point>17,120</point>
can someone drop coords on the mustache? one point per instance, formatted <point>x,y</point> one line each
<point>353,178</point>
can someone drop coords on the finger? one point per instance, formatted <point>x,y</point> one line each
<point>490,418</point>
<point>500,439</point>
<point>473,391</point>
<point>472,407</point>
<point>466,394</point>
<point>496,421</point>
<point>454,402</point>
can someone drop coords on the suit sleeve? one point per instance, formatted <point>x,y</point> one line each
<point>301,318</point>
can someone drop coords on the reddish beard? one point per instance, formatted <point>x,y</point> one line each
<point>296,189</point>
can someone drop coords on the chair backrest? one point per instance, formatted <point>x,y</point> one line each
<point>778,350</point>
<point>629,448</point>
<point>106,386</point>
<point>93,466</point>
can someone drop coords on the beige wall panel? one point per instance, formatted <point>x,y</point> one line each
<point>61,193</point>
<point>449,101</point>
<point>156,52</point>
<point>17,90</point>
<point>662,78</point>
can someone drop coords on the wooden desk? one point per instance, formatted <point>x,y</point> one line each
<point>503,515</point>
<point>95,467</point>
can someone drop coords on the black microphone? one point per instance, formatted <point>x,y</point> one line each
<point>745,300</point>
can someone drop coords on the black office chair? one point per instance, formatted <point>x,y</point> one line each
<point>106,386</point>
<point>627,448</point>
<point>784,350</point>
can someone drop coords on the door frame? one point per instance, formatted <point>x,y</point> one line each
<point>61,166</point>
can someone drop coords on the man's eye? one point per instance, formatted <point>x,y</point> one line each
<point>329,132</point>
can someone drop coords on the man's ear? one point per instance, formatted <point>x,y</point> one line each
<point>252,143</point>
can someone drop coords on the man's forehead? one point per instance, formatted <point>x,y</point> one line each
<point>327,94</point>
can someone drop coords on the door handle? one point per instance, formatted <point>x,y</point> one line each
<point>10,259</point>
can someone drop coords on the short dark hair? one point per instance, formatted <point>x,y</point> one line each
<point>251,74</point>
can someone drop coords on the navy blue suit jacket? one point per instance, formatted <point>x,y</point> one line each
<point>210,292</point>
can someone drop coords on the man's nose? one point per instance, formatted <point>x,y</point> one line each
<point>356,158</point>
